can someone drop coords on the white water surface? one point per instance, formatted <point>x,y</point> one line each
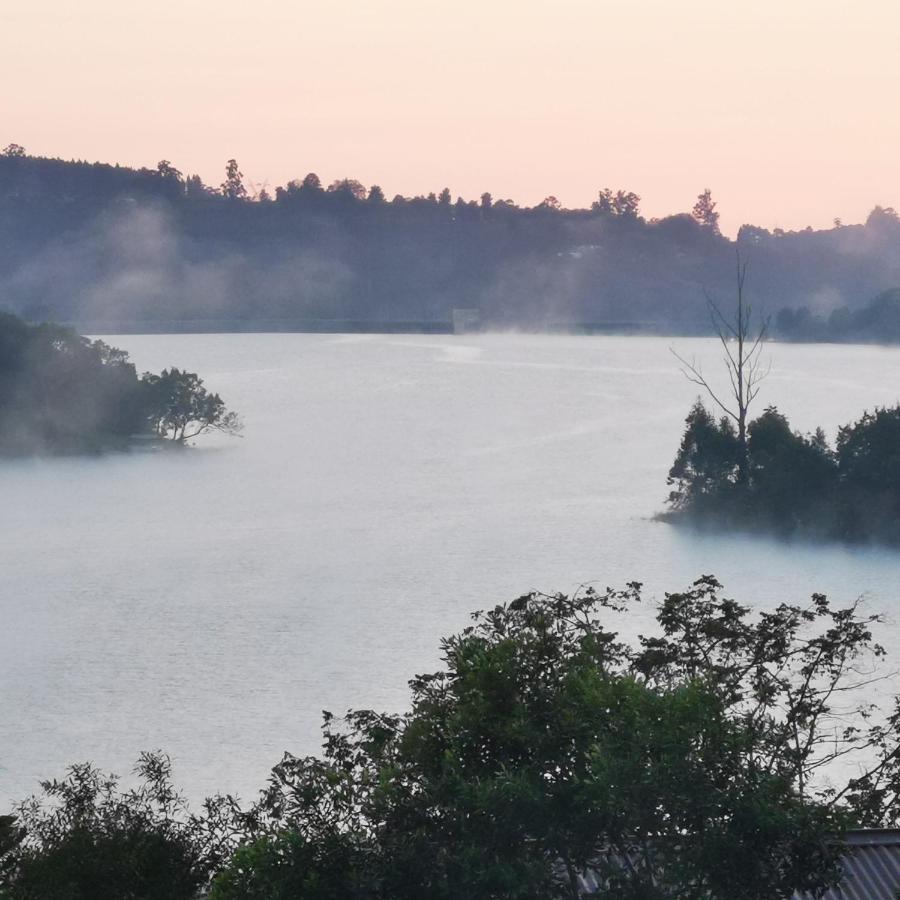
<point>212,603</point>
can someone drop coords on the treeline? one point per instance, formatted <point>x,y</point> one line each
<point>792,483</point>
<point>63,393</point>
<point>547,759</point>
<point>876,322</point>
<point>96,243</point>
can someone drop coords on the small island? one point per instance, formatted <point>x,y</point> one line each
<point>63,393</point>
<point>781,481</point>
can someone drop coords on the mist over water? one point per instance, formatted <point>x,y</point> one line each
<point>213,603</point>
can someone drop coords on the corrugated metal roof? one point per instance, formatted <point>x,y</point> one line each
<point>871,867</point>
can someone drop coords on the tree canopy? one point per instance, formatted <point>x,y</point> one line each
<point>719,756</point>
<point>182,408</point>
<point>796,484</point>
<point>156,248</point>
<point>63,393</point>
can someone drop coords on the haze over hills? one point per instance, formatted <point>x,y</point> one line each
<point>111,248</point>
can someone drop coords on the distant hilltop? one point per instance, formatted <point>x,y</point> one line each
<point>153,249</point>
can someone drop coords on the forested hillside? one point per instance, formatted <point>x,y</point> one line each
<point>109,247</point>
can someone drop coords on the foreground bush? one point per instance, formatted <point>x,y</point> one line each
<point>87,839</point>
<point>547,749</point>
<point>547,758</point>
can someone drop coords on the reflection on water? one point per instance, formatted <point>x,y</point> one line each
<point>213,603</point>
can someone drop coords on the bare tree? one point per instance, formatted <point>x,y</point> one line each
<point>743,361</point>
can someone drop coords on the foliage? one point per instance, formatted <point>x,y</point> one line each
<point>796,483</point>
<point>705,213</point>
<point>60,391</point>
<point>547,751</point>
<point>232,187</point>
<point>878,321</point>
<point>182,408</point>
<point>707,459</point>
<point>547,758</point>
<point>64,393</point>
<point>315,255</point>
<point>88,839</point>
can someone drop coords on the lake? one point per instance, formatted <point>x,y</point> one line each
<point>212,603</point>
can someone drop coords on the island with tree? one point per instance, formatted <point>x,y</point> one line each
<point>760,474</point>
<point>61,392</point>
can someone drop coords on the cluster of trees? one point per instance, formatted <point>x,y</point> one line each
<point>760,473</point>
<point>785,481</point>
<point>547,758</point>
<point>877,322</point>
<point>144,248</point>
<point>62,393</point>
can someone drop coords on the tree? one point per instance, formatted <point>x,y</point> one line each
<point>165,169</point>
<point>743,346</point>
<point>376,195</point>
<point>627,205</point>
<point>194,188</point>
<point>11,835</point>
<point>348,187</point>
<point>622,204</point>
<point>706,461</point>
<point>882,217</point>
<point>696,762</point>
<point>793,477</point>
<point>62,392</point>
<point>311,182</point>
<point>444,199</point>
<point>14,150</point>
<point>704,212</point>
<point>86,839</point>
<point>233,186</point>
<point>181,408</point>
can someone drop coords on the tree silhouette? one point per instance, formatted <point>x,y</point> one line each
<point>233,185</point>
<point>743,348</point>
<point>704,212</point>
<point>182,408</point>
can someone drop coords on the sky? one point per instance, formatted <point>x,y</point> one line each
<point>785,109</point>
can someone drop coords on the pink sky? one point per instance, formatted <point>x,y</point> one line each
<point>787,110</point>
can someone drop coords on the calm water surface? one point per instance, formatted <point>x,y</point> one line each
<point>213,603</point>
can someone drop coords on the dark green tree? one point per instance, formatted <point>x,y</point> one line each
<point>86,838</point>
<point>348,188</point>
<point>61,392</point>
<point>622,204</point>
<point>181,408</point>
<point>793,478</point>
<point>233,186</point>
<point>548,754</point>
<point>704,212</point>
<point>707,460</point>
<point>167,170</point>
